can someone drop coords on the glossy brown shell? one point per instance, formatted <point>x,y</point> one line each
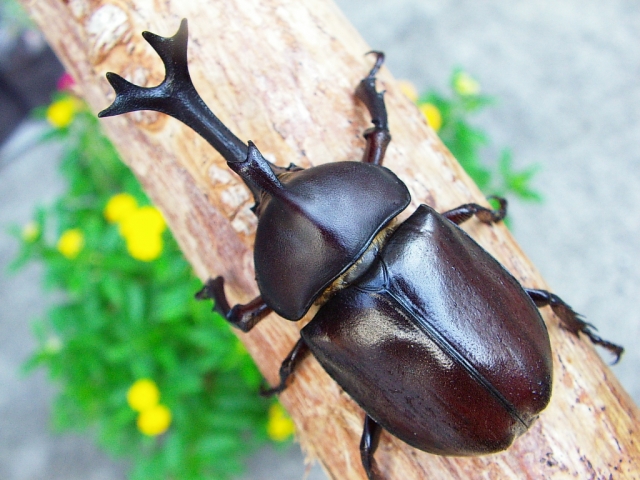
<point>438,342</point>
<point>314,232</point>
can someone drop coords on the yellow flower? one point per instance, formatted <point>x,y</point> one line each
<point>144,246</point>
<point>465,84</point>
<point>432,114</point>
<point>408,89</point>
<point>155,420</point>
<point>30,232</point>
<point>143,395</point>
<point>119,207</point>
<point>140,227</point>
<point>279,426</point>
<point>144,219</point>
<point>142,230</point>
<point>61,112</point>
<point>70,243</point>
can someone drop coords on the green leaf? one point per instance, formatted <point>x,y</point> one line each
<point>113,289</point>
<point>172,304</point>
<point>136,302</point>
<point>219,445</point>
<point>518,182</point>
<point>174,451</point>
<point>466,142</point>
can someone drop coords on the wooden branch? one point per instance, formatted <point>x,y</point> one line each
<point>282,73</point>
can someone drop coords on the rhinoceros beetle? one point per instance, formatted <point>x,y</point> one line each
<point>426,331</point>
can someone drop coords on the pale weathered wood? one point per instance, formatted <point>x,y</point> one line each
<point>282,72</point>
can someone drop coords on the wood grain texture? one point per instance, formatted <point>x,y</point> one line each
<point>282,73</point>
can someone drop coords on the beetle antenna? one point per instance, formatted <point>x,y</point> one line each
<point>175,96</point>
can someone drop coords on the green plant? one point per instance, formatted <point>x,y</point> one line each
<point>449,116</point>
<point>128,318</point>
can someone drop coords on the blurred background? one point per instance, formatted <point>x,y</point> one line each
<point>566,76</point>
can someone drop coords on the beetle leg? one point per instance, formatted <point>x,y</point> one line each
<point>485,215</point>
<point>368,446</point>
<point>378,137</point>
<point>571,321</point>
<point>299,352</point>
<point>244,317</point>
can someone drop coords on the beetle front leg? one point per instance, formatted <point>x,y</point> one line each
<point>571,321</point>
<point>244,317</point>
<point>378,137</point>
<point>368,445</point>
<point>485,215</point>
<point>300,352</point>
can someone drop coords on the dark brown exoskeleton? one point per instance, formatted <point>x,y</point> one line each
<point>427,332</point>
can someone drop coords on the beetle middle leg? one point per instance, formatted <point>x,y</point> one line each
<point>378,137</point>
<point>368,445</point>
<point>299,352</point>
<point>244,317</point>
<point>571,321</point>
<point>485,215</point>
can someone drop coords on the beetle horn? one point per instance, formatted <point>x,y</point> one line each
<point>177,96</point>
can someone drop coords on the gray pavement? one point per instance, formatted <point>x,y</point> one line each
<point>567,75</point>
<point>28,450</point>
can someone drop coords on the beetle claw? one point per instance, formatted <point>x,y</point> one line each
<point>244,317</point>
<point>465,212</point>
<point>572,321</point>
<point>616,350</point>
<point>501,212</point>
<point>377,137</point>
<point>379,61</point>
<point>266,392</point>
<point>213,289</point>
<point>297,354</point>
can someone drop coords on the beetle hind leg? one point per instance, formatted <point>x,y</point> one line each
<point>297,354</point>
<point>244,317</point>
<point>378,137</point>
<point>572,321</point>
<point>485,215</point>
<point>368,445</point>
